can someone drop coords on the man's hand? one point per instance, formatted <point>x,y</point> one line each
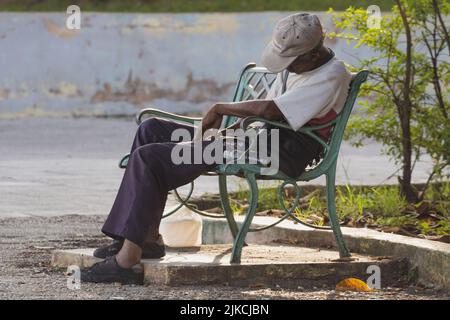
<point>260,108</point>
<point>212,119</point>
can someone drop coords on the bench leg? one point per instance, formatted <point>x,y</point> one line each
<point>334,221</point>
<point>253,204</point>
<point>226,206</point>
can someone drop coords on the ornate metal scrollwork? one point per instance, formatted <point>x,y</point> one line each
<point>289,211</point>
<point>185,202</point>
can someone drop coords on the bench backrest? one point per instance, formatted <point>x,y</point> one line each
<point>254,83</point>
<point>342,119</point>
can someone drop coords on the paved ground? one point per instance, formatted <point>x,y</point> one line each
<point>59,166</point>
<point>25,250</point>
<point>58,178</point>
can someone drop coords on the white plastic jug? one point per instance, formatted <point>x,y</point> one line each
<point>182,229</point>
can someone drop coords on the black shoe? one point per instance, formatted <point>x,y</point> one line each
<point>108,271</point>
<point>109,250</point>
<point>154,250</point>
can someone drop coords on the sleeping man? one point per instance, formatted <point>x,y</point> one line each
<point>310,89</point>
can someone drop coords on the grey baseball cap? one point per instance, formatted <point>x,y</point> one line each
<point>293,36</point>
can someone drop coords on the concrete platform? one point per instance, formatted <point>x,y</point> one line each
<point>429,261</point>
<point>262,265</point>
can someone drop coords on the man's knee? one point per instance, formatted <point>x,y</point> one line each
<point>150,155</point>
<point>149,125</point>
<point>150,130</point>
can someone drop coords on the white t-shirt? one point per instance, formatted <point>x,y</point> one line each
<point>312,94</point>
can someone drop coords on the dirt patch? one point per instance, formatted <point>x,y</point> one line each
<point>278,251</point>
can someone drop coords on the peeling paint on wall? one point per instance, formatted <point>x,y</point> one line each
<point>118,63</point>
<point>4,93</point>
<point>58,30</point>
<point>137,91</point>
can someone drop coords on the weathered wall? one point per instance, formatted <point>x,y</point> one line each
<point>118,63</point>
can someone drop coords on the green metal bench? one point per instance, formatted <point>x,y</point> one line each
<point>254,83</point>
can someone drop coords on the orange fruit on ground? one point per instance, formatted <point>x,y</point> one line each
<point>353,284</point>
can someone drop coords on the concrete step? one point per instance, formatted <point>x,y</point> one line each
<point>262,265</point>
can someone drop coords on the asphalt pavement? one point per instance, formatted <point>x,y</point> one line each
<point>60,166</point>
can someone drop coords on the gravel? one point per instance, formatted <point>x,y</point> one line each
<point>25,252</point>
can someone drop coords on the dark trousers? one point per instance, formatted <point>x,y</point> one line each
<point>150,174</point>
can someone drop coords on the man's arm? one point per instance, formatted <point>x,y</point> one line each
<point>266,109</point>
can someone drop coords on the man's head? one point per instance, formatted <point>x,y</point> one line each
<point>296,44</point>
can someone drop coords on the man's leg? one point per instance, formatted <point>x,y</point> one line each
<point>142,195</point>
<point>155,130</point>
<point>139,205</point>
<point>150,131</point>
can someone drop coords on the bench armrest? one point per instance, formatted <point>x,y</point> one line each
<point>166,115</point>
<point>249,120</point>
<point>309,130</point>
